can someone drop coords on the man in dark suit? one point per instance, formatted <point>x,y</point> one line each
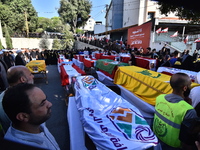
<point>19,60</point>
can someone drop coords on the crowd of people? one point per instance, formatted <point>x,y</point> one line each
<point>24,107</point>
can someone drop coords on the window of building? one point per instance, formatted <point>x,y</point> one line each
<point>150,15</point>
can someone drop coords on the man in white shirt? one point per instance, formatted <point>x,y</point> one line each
<point>28,108</point>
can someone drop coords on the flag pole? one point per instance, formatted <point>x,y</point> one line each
<point>183,33</point>
<point>154,31</point>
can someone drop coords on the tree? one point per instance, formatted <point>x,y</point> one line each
<point>57,24</point>
<point>1,46</point>
<point>24,7</point>
<point>39,30</point>
<point>74,12</point>
<point>79,31</point>
<point>14,14</point>
<point>56,44</point>
<point>7,17</point>
<point>44,23</point>
<point>8,38</point>
<point>50,25</point>
<point>68,39</point>
<point>182,10</point>
<point>44,42</point>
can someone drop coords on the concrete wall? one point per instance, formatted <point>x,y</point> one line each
<point>26,42</point>
<point>131,13</point>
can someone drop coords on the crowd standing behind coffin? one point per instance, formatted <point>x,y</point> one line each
<point>10,58</point>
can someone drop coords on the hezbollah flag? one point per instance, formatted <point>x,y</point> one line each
<point>144,83</point>
<point>36,66</point>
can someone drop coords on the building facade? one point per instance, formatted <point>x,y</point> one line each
<point>122,14</point>
<point>89,26</point>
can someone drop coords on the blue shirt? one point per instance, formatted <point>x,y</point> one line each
<point>43,139</point>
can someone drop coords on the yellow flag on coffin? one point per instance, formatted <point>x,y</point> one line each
<point>36,66</point>
<point>145,84</point>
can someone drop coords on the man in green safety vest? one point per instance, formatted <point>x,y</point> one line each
<point>171,110</point>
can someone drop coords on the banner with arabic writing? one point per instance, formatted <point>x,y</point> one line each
<point>139,36</point>
<point>111,121</point>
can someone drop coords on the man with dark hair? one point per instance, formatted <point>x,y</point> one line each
<point>171,110</point>
<point>28,108</point>
<point>15,75</point>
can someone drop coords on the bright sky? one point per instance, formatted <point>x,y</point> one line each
<point>48,8</point>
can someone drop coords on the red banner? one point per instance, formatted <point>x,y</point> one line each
<point>140,36</point>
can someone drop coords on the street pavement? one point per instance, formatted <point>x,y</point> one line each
<point>56,94</point>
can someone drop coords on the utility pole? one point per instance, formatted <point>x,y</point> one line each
<point>26,24</point>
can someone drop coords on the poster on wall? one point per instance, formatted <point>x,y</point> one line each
<point>139,37</point>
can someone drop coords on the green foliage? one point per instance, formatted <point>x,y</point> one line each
<point>56,44</point>
<point>8,38</point>
<point>1,46</point>
<point>57,24</point>
<point>7,17</point>
<point>79,31</point>
<point>44,23</point>
<point>13,15</point>
<point>50,25</point>
<point>44,42</point>
<point>39,30</point>
<point>181,12</point>
<point>74,12</point>
<point>68,39</point>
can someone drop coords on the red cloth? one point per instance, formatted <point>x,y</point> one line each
<point>167,73</point>
<point>141,62</point>
<point>108,57</point>
<point>64,76</point>
<point>79,70</point>
<point>88,63</point>
<point>98,56</point>
<point>125,59</point>
<point>81,57</point>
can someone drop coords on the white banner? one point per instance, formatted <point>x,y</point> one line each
<point>191,74</point>
<point>111,121</point>
<point>71,72</point>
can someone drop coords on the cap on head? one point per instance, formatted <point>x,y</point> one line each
<point>18,51</point>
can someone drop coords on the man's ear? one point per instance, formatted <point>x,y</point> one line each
<point>22,79</point>
<point>185,88</point>
<point>24,117</point>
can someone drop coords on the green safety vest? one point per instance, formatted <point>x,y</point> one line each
<point>167,120</point>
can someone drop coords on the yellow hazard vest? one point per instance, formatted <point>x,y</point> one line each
<point>167,120</point>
